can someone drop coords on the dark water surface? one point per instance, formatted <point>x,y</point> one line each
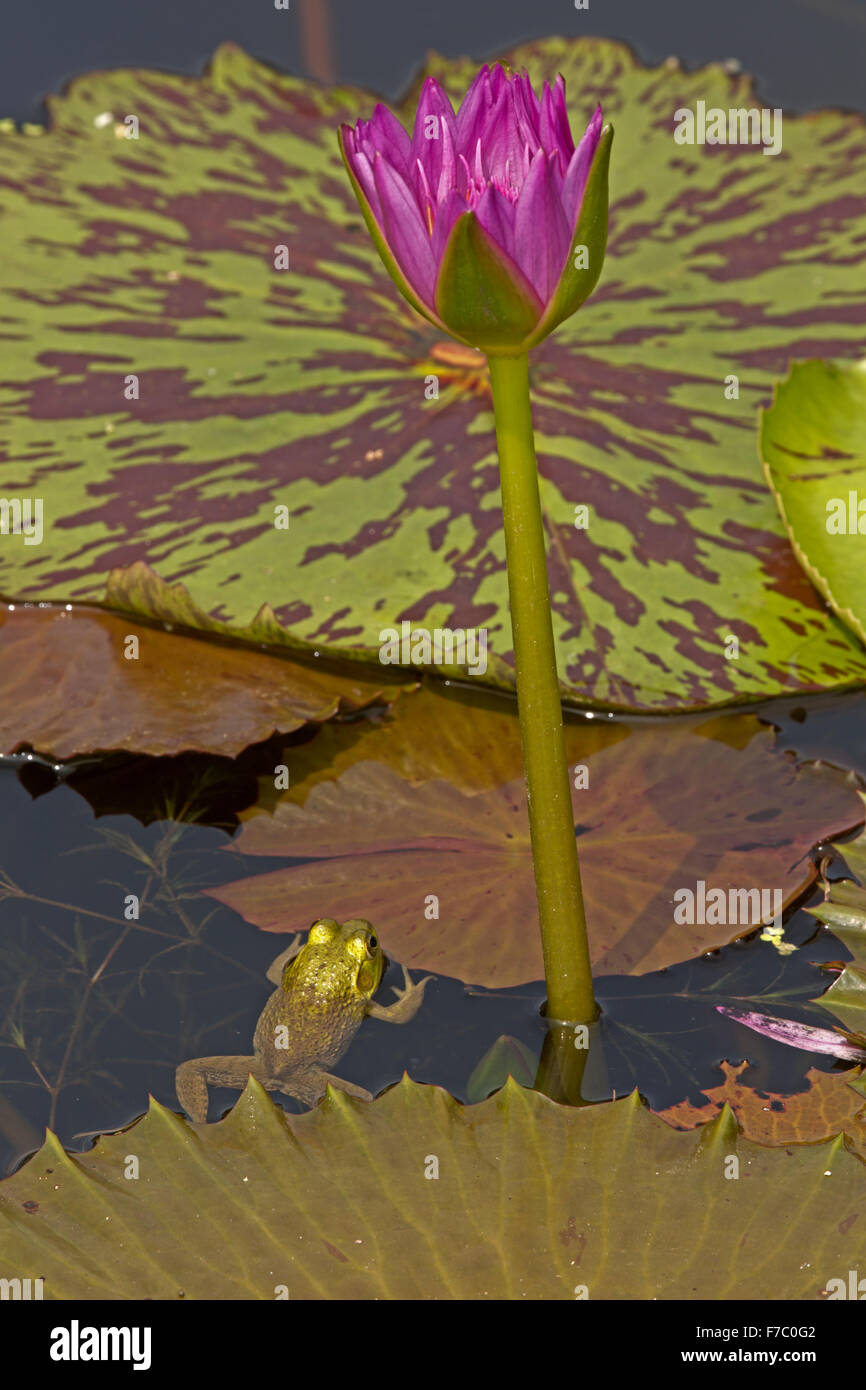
<point>804,53</point>
<point>96,1013</point>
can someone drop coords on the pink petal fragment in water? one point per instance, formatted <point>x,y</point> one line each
<point>785,1030</point>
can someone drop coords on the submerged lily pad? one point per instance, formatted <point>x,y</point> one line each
<point>507,1057</point>
<point>77,681</point>
<point>441,861</point>
<point>469,738</point>
<point>813,443</point>
<point>415,1196</point>
<point>165,387</point>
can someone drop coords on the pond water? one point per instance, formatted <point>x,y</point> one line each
<point>380,44</point>
<point>97,1012</point>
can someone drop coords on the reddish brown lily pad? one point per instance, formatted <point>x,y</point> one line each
<point>665,809</point>
<point>468,738</point>
<point>830,1106</point>
<point>67,688</point>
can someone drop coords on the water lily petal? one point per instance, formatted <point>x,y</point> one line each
<point>385,135</point>
<point>580,274</point>
<point>448,168</point>
<point>542,235</point>
<point>527,112</point>
<point>363,171</point>
<point>533,103</point>
<point>785,1030</point>
<point>498,80</point>
<point>463,178</point>
<point>424,194</point>
<point>563,124</point>
<point>446,215</point>
<point>373,216</point>
<point>496,213</point>
<point>503,139</point>
<point>473,110</point>
<point>555,130</point>
<point>405,229</point>
<point>429,147</point>
<point>578,168</point>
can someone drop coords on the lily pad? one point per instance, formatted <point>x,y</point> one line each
<point>813,443</point>
<point>507,1057</point>
<point>831,1105</point>
<point>445,869</point>
<point>415,1196</point>
<point>469,738</point>
<point>844,912</point>
<point>165,388</point>
<point>77,681</point>
<point>854,854</point>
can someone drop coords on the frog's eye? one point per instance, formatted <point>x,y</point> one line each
<point>372,945</point>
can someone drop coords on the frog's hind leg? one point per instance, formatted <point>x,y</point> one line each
<point>309,1085</point>
<point>349,1087</point>
<point>191,1080</point>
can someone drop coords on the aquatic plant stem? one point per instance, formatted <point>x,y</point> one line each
<point>564,941</point>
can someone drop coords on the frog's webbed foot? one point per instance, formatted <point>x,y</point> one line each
<point>309,1086</point>
<point>409,1001</point>
<point>191,1080</point>
<point>274,972</point>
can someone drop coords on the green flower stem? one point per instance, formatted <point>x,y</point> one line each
<point>564,941</point>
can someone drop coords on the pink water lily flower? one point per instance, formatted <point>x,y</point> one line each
<point>491,222</point>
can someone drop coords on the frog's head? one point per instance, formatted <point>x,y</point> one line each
<point>356,945</point>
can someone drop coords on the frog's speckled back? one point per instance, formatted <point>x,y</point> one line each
<point>325,990</point>
<point>314,1014</point>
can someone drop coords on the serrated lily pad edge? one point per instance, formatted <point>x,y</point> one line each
<point>233,1148</point>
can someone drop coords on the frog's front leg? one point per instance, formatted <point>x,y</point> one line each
<point>274,972</point>
<point>409,1001</point>
<point>191,1080</point>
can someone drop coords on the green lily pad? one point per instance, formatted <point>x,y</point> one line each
<point>844,912</point>
<point>260,388</point>
<point>813,443</point>
<point>415,1196</point>
<point>854,854</point>
<point>438,856</point>
<point>69,684</point>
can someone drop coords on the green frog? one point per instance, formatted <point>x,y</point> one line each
<point>324,991</point>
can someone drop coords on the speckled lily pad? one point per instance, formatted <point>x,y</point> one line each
<point>156,258</point>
